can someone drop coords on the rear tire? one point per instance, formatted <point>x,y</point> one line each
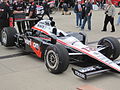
<point>7,36</point>
<point>112,45</point>
<point>56,59</point>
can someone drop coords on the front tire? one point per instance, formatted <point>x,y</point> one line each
<point>7,36</point>
<point>112,50</point>
<point>56,59</point>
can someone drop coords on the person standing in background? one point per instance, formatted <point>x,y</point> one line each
<point>19,14</point>
<point>83,12</point>
<point>65,9</point>
<point>118,21</point>
<point>4,15</point>
<point>46,8</point>
<point>110,13</point>
<point>88,14</point>
<point>32,9</point>
<point>32,13</point>
<point>78,11</point>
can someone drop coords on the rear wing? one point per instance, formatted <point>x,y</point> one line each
<point>92,70</point>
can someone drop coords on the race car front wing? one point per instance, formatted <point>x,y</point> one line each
<point>91,70</point>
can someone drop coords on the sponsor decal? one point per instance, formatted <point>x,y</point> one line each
<point>85,49</point>
<point>41,26</point>
<point>45,23</point>
<point>35,47</point>
<point>80,74</point>
<point>87,69</point>
<point>29,42</point>
<point>95,53</point>
<point>36,50</point>
<point>88,49</point>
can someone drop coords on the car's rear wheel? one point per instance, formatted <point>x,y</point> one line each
<point>56,59</point>
<point>7,36</point>
<point>112,50</point>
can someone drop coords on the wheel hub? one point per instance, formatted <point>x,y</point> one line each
<point>52,59</point>
<point>4,37</point>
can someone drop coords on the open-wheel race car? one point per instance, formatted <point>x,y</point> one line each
<point>58,48</point>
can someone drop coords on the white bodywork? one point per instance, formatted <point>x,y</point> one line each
<point>45,27</point>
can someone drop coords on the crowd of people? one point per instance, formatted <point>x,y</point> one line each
<point>18,11</point>
<point>83,13</point>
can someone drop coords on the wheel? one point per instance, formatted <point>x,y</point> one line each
<point>112,50</point>
<point>7,36</point>
<point>56,59</point>
<point>118,4</point>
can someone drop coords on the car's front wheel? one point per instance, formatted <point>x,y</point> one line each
<point>56,59</point>
<point>112,47</point>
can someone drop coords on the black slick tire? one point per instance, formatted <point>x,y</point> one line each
<point>112,45</point>
<point>56,59</point>
<point>7,36</point>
